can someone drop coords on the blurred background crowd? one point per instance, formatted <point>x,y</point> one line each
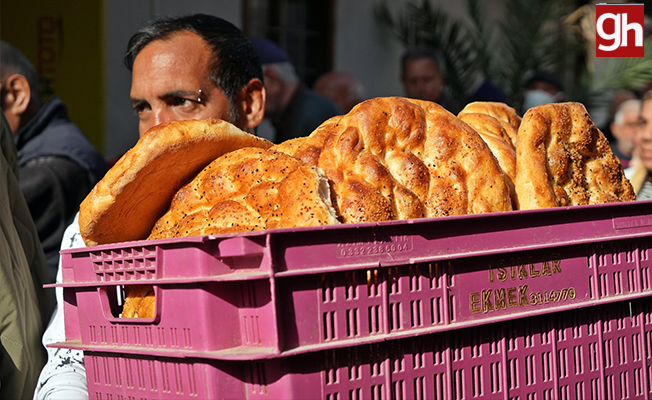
<point>65,89</point>
<point>481,50</point>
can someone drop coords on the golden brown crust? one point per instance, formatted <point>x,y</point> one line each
<point>505,114</point>
<point>308,148</point>
<point>248,189</point>
<point>494,134</point>
<point>396,158</point>
<point>139,302</point>
<point>126,203</point>
<point>563,159</point>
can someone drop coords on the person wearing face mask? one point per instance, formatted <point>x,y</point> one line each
<point>543,88</point>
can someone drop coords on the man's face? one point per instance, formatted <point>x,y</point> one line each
<point>170,82</point>
<point>644,135</point>
<point>625,132</point>
<point>422,79</point>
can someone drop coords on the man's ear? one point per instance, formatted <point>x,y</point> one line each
<point>17,95</point>
<point>252,104</point>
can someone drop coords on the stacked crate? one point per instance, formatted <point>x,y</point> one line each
<point>525,304</point>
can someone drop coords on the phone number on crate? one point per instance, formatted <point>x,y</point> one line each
<point>552,296</point>
<point>382,248</point>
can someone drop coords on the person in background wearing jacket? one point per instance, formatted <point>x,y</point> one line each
<point>58,165</point>
<point>423,74</point>
<point>25,307</point>
<point>293,109</point>
<point>341,87</point>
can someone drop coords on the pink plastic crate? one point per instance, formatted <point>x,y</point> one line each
<point>599,352</point>
<point>276,293</point>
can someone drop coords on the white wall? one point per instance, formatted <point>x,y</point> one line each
<point>367,50</point>
<point>123,19</point>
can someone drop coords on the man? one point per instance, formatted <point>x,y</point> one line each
<point>294,110</point>
<point>423,73</point>
<point>341,87</point>
<point>624,127</point>
<point>58,164</point>
<point>195,67</point>
<point>25,307</point>
<point>641,175</point>
<point>192,67</point>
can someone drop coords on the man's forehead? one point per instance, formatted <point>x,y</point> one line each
<point>178,63</point>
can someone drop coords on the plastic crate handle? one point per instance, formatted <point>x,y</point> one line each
<point>239,247</point>
<point>109,304</point>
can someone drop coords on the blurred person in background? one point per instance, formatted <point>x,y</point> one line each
<point>341,87</point>
<point>542,87</point>
<point>623,128</point>
<point>293,109</point>
<point>25,307</point>
<point>192,67</point>
<point>617,99</point>
<point>423,73</point>
<point>640,176</point>
<point>488,91</point>
<point>58,164</point>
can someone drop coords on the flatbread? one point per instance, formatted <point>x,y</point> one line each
<point>140,302</point>
<point>505,114</point>
<point>396,158</point>
<point>134,194</point>
<point>246,190</point>
<point>494,134</point>
<point>562,159</point>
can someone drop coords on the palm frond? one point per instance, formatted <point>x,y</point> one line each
<point>625,73</point>
<point>531,35</point>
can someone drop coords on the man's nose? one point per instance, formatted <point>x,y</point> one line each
<point>159,116</point>
<point>163,115</point>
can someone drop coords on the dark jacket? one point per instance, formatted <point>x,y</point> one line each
<point>306,111</point>
<point>25,307</point>
<point>58,168</point>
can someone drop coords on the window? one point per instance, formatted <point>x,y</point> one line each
<point>303,28</point>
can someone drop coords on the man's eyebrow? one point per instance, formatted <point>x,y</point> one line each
<point>175,93</point>
<point>136,102</point>
<point>180,93</point>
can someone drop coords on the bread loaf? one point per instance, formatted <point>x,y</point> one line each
<point>249,189</point>
<point>140,302</point>
<point>505,115</point>
<point>562,159</point>
<point>137,191</point>
<point>494,134</point>
<point>396,158</point>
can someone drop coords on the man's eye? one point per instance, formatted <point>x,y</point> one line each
<point>183,102</point>
<point>140,108</point>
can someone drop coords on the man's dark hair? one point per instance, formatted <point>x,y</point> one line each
<point>416,52</point>
<point>234,63</point>
<point>12,61</point>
